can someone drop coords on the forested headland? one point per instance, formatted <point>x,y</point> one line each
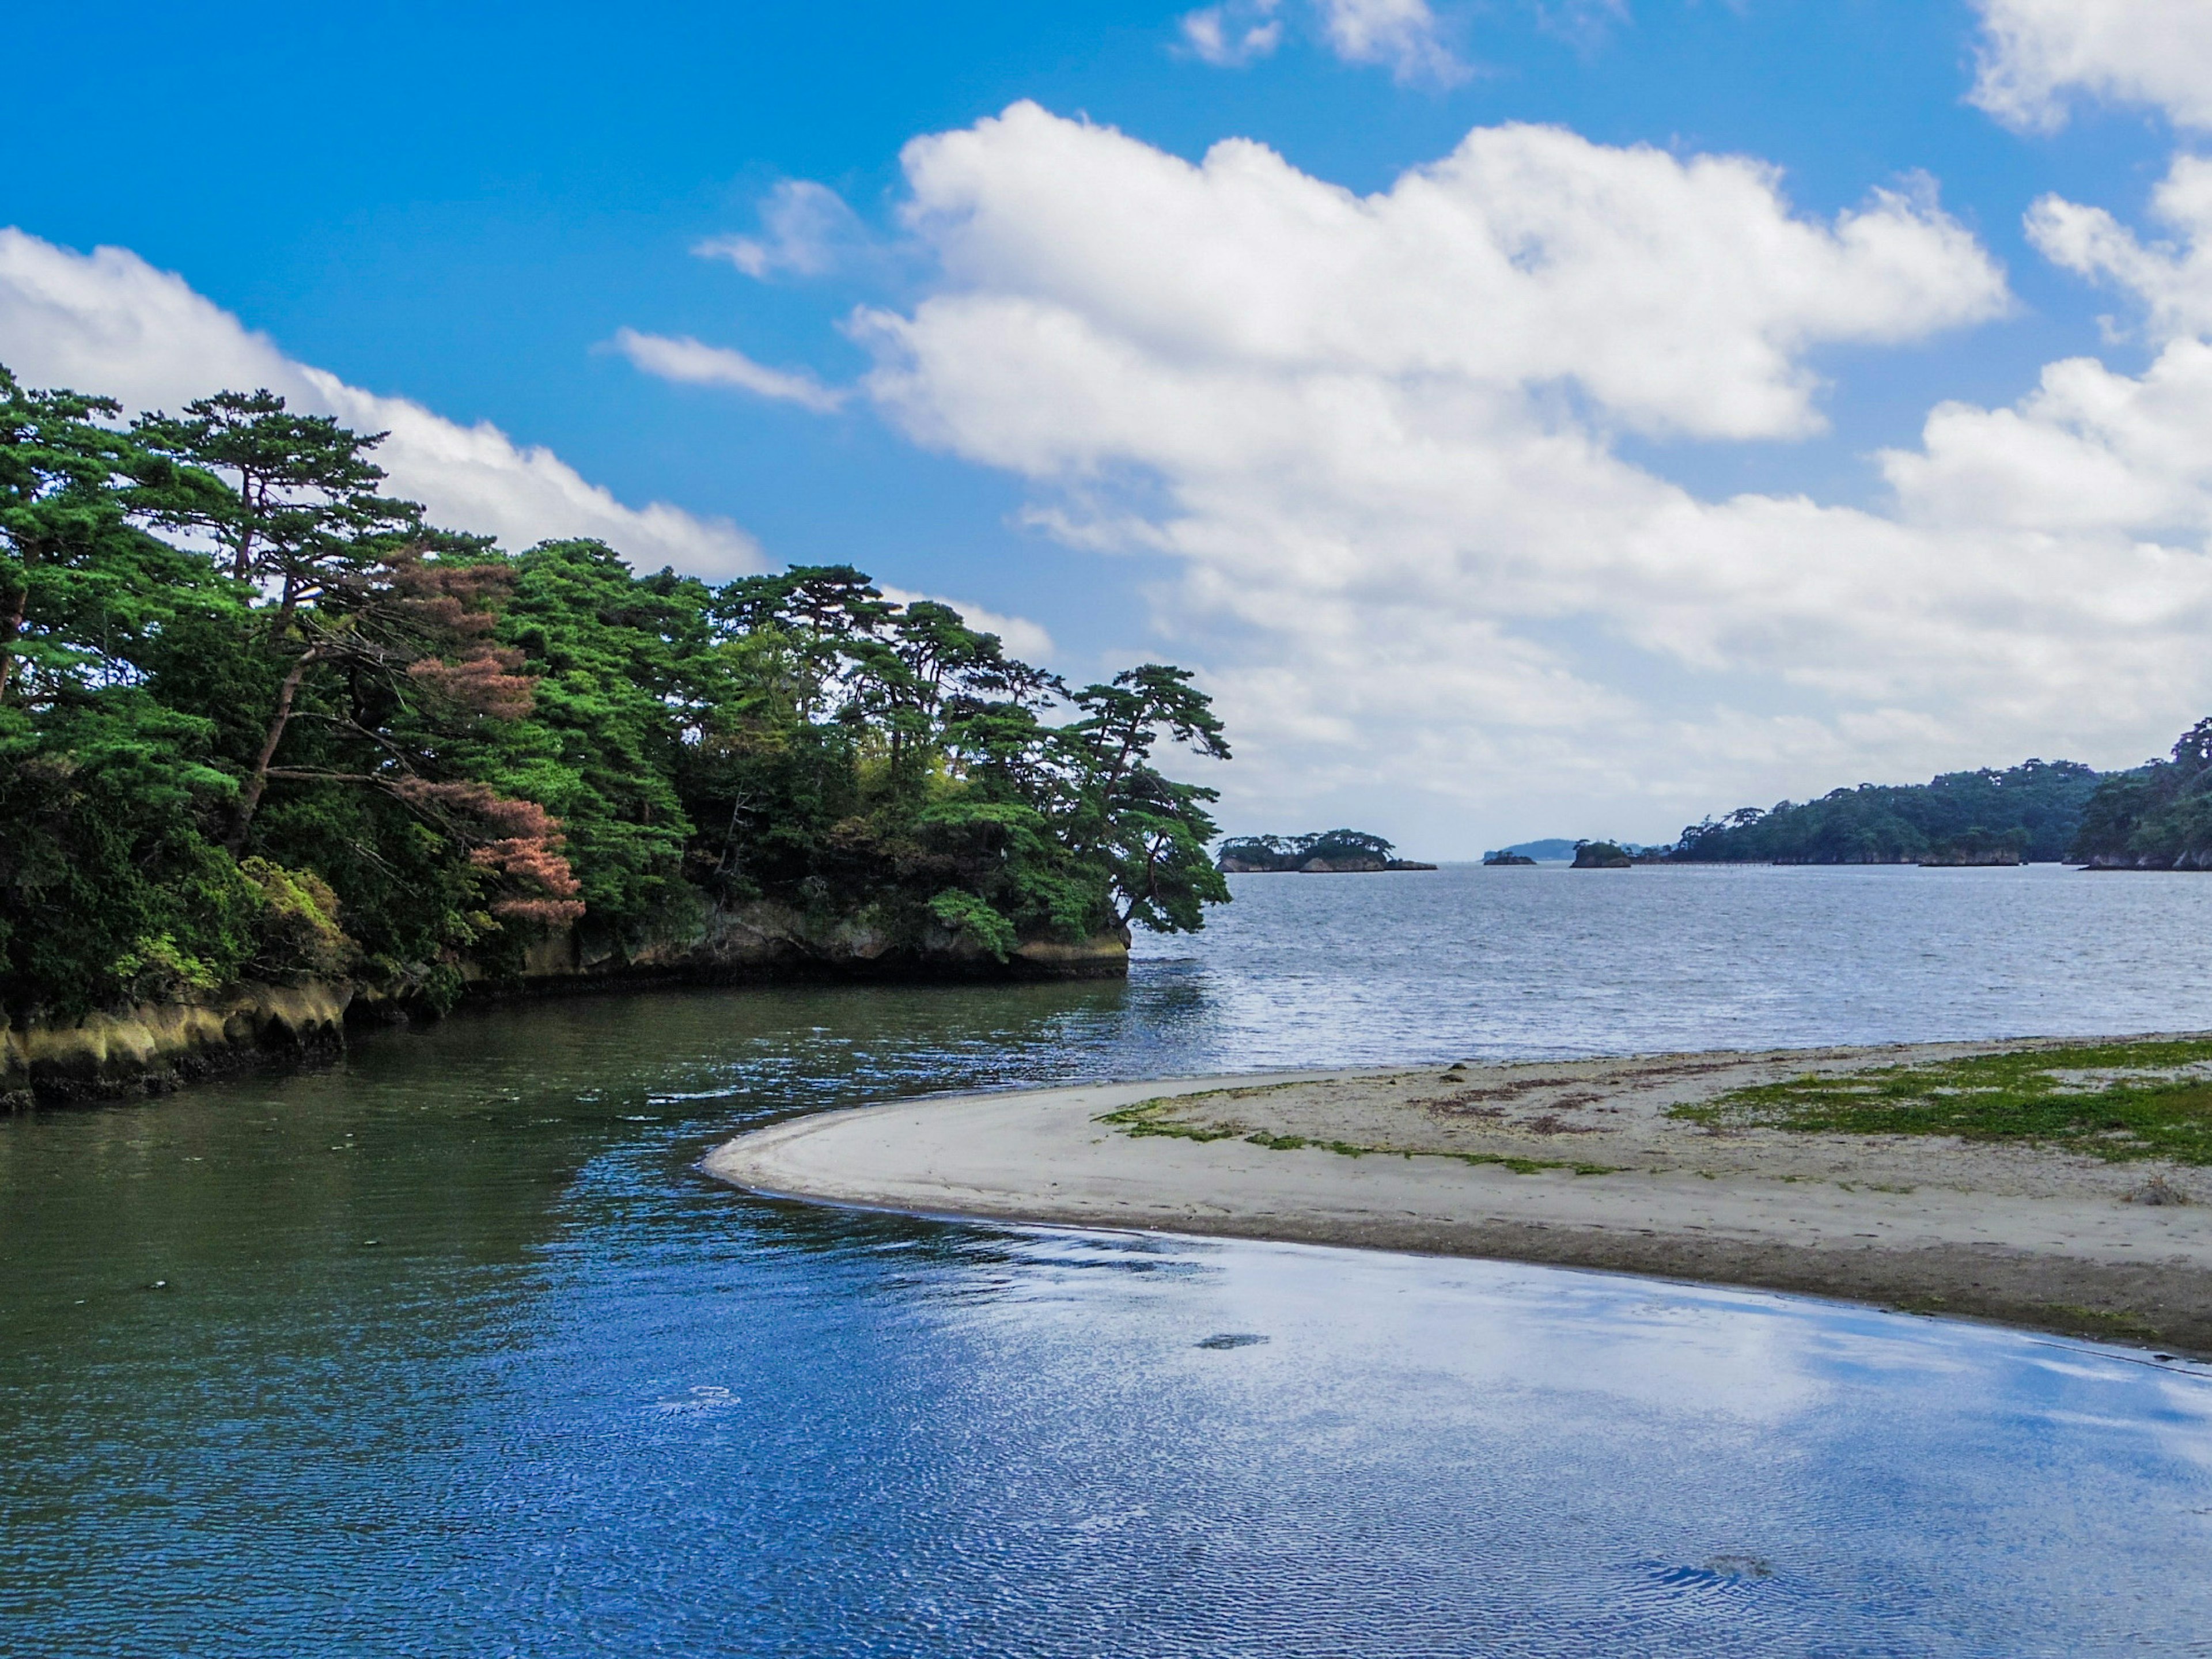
<point>2035,810</point>
<point>2158,816</point>
<point>261,721</point>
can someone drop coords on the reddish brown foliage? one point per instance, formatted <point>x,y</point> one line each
<point>516,840</point>
<point>452,609</point>
<point>482,683</point>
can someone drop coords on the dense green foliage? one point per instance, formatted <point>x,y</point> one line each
<point>2158,817</point>
<point>1294,852</point>
<point>2115,1101</point>
<point>2035,808</point>
<point>258,720</point>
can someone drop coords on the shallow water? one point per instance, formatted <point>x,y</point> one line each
<point>454,1353</point>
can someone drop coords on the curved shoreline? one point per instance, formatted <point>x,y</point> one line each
<point>2040,1239</point>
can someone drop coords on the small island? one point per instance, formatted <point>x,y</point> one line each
<point>1603,855</point>
<point>1327,853</point>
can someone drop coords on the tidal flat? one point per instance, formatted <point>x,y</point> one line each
<point>2057,1185</point>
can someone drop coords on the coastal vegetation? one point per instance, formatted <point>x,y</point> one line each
<point>1325,852</point>
<point>261,721</point>
<point>2158,816</point>
<point>2118,1101</point>
<point>2035,810</point>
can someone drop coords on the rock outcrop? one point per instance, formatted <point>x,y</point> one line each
<point>157,1047</point>
<point>1603,855</point>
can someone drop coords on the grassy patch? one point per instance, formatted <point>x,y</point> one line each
<point>1147,1118</point>
<point>2115,1101</point>
<point>2098,1321</point>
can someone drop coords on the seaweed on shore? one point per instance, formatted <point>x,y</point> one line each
<point>2115,1101</point>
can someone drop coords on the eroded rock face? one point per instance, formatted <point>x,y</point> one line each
<point>155,1048</point>
<point>2194,859</point>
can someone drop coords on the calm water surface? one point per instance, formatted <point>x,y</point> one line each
<point>450,1351</point>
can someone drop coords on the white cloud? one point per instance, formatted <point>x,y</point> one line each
<point>1024,639</point>
<point>2036,54</point>
<point>1404,36</point>
<point>2173,283</point>
<point>686,360</point>
<point>108,322</point>
<point>2090,450</point>
<point>1584,22</point>
<point>1678,296</point>
<point>1401,34</point>
<point>1233,34</point>
<point>809,232</point>
<point>1375,433</point>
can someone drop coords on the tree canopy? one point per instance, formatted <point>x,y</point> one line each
<point>1294,852</point>
<point>259,719</point>
<point>2158,816</point>
<point>2036,806</point>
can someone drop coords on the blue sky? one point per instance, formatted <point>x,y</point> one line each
<point>461,206</point>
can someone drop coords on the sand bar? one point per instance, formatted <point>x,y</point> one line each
<point>2056,1240</point>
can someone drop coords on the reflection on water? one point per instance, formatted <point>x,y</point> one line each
<point>454,1353</point>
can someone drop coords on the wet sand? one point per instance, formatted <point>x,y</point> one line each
<point>2054,1240</point>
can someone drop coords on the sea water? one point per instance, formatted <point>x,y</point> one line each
<point>450,1349</point>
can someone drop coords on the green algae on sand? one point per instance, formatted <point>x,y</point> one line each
<point>2117,1101</point>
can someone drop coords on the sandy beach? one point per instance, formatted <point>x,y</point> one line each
<point>1573,1164</point>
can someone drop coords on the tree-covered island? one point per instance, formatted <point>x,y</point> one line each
<point>262,725</point>
<point>1327,852</point>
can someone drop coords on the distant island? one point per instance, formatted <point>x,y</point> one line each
<point>1584,854</point>
<point>2154,816</point>
<point>1557,850</point>
<point>1326,853</point>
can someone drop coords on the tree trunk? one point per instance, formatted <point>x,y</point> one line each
<point>11,629</point>
<point>249,798</point>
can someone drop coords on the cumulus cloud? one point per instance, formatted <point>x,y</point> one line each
<point>2172,281</point>
<point>2037,55</point>
<point>806,231</point>
<point>1679,296</point>
<point>2091,450</point>
<point>1376,435</point>
<point>686,360</point>
<point>108,322</point>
